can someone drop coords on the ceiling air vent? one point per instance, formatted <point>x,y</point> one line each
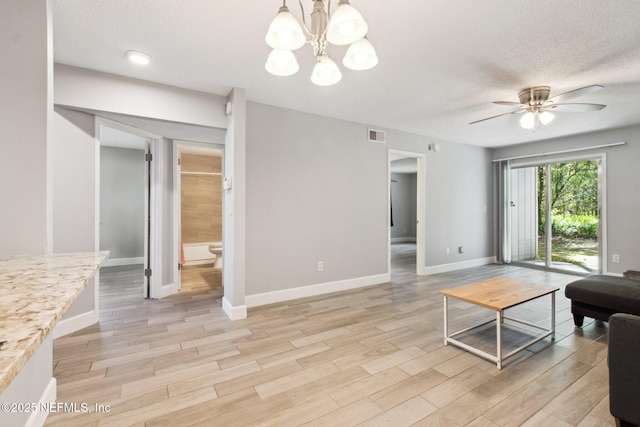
<point>376,135</point>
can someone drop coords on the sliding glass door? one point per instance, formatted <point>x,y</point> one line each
<point>554,213</point>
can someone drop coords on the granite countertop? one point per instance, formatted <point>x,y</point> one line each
<point>35,292</point>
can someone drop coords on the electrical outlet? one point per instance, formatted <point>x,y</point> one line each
<point>447,251</point>
<point>615,258</point>
<point>461,249</point>
<point>320,266</point>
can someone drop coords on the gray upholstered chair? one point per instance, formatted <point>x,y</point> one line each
<point>624,369</point>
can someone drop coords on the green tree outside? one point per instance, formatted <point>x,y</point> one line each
<point>574,199</point>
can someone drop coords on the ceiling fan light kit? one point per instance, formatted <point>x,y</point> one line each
<point>537,106</point>
<point>345,27</point>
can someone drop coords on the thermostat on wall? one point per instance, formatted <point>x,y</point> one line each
<point>226,183</point>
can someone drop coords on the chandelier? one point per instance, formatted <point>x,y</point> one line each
<point>345,27</point>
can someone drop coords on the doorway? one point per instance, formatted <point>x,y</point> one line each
<point>124,214</point>
<point>405,207</point>
<point>556,215</point>
<point>198,212</point>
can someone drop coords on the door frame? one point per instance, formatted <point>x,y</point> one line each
<point>177,204</point>
<point>153,204</point>
<point>420,211</point>
<point>601,158</point>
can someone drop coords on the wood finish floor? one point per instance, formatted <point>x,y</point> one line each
<point>372,356</point>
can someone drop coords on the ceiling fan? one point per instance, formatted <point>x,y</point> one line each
<point>537,106</point>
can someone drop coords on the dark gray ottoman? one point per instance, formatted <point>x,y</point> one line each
<point>599,296</point>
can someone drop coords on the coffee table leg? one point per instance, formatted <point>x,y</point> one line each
<point>446,322</point>
<point>499,338</point>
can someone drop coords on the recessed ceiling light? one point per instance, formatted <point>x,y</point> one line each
<point>138,57</point>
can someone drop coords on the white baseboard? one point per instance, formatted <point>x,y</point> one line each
<point>313,290</point>
<point>238,312</point>
<point>38,418</point>
<point>75,323</point>
<point>115,262</point>
<point>403,240</point>
<point>445,268</point>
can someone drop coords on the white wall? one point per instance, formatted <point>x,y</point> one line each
<point>622,182</point>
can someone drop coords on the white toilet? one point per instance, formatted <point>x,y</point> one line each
<point>216,249</point>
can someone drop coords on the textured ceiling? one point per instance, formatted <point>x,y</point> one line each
<point>442,62</point>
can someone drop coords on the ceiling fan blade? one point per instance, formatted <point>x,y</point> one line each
<point>575,93</point>
<point>510,104</point>
<point>577,107</point>
<point>499,115</point>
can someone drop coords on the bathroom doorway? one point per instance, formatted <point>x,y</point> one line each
<point>199,172</point>
<point>406,232</point>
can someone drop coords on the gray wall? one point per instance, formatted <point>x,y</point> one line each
<point>403,198</point>
<point>98,91</point>
<point>92,90</point>
<point>72,151</point>
<point>234,206</point>
<point>623,181</point>
<point>458,199</point>
<point>24,110</point>
<point>122,187</point>
<point>317,191</point>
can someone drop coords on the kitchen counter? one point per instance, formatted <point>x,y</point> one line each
<point>35,292</point>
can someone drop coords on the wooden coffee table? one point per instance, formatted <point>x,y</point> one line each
<point>498,294</point>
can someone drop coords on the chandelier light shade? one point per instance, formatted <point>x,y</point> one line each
<point>285,32</point>
<point>344,27</point>
<point>360,56</point>
<point>282,63</point>
<point>326,72</point>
